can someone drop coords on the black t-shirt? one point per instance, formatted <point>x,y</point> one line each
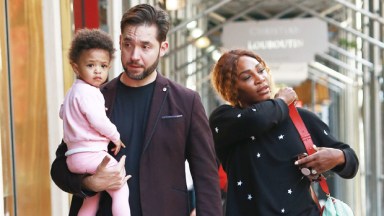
<point>130,114</point>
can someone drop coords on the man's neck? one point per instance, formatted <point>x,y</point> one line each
<point>138,83</point>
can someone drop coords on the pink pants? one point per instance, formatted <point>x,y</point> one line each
<point>87,162</point>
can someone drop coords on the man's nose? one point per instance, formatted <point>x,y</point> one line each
<point>135,53</point>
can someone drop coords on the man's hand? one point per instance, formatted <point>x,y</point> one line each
<point>107,178</point>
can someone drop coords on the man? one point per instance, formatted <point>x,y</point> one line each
<point>161,123</point>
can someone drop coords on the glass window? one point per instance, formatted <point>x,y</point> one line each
<point>29,110</point>
<point>6,182</point>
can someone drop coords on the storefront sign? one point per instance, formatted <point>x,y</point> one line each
<point>288,40</point>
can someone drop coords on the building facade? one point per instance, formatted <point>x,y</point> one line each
<point>343,83</point>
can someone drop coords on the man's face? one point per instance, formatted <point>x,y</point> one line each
<point>140,51</point>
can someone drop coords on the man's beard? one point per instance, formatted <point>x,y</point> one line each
<point>147,71</point>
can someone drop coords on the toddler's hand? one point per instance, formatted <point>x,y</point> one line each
<point>118,145</point>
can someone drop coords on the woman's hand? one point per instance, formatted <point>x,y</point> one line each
<point>323,160</point>
<point>287,94</point>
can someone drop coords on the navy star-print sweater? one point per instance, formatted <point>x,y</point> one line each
<point>258,146</point>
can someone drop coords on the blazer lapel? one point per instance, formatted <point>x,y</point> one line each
<point>159,98</point>
<point>109,92</point>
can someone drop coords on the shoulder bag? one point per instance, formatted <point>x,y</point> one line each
<point>332,206</point>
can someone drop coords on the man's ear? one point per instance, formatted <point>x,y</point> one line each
<point>120,41</point>
<point>163,48</point>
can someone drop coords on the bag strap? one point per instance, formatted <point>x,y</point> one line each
<point>315,199</point>
<point>307,140</point>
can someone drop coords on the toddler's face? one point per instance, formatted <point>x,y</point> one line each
<point>92,66</point>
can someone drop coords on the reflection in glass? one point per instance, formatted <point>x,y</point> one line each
<point>29,109</point>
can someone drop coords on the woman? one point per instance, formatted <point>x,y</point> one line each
<point>258,144</point>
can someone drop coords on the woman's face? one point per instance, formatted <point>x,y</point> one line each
<point>253,82</point>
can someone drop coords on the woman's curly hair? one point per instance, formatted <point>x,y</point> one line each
<point>224,74</point>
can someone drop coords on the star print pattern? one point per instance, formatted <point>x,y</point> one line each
<point>258,155</point>
<point>251,160</point>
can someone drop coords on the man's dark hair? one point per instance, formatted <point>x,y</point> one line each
<point>145,14</point>
<point>86,39</point>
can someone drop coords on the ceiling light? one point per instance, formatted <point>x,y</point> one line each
<point>174,4</point>
<point>216,54</point>
<point>192,24</point>
<point>210,48</point>
<point>203,42</point>
<point>195,33</point>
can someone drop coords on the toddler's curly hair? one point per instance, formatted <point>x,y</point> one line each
<point>86,39</point>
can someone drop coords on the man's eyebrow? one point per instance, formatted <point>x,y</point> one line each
<point>128,39</point>
<point>145,42</point>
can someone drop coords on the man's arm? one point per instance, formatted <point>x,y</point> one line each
<point>63,178</point>
<point>203,165</point>
<point>84,185</point>
<point>107,177</point>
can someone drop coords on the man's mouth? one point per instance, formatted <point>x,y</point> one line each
<point>135,65</point>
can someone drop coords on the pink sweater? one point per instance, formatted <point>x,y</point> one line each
<point>86,125</point>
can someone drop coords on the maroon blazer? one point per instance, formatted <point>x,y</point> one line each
<point>177,130</point>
